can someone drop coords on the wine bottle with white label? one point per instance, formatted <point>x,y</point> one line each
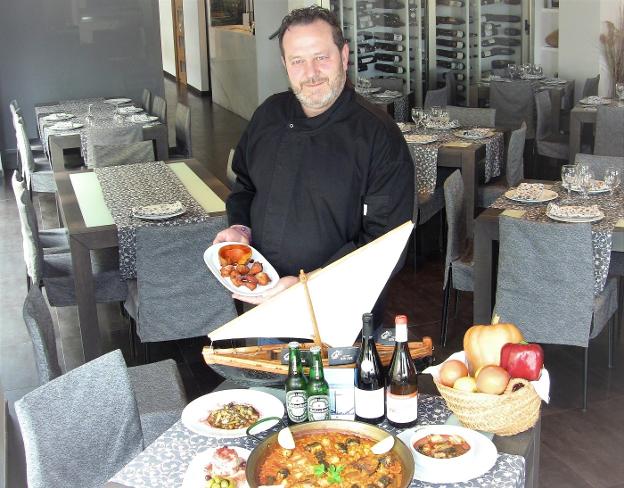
<point>369,379</point>
<point>402,381</point>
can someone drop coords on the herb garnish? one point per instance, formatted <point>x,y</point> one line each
<point>332,472</point>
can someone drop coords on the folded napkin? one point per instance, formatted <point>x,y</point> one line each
<point>129,110</point>
<point>529,191</point>
<point>65,125</point>
<point>420,138</point>
<point>160,209</point>
<point>573,211</point>
<point>142,118</point>
<point>388,93</point>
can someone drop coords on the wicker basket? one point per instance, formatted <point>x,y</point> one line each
<point>507,414</point>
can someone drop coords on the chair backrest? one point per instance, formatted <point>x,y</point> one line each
<point>546,280</point>
<point>451,88</point>
<point>457,236</point>
<point>146,100</point>
<point>110,136</point>
<point>514,169</point>
<point>24,150</point>
<point>482,117</point>
<point>609,131</point>
<point>590,88</point>
<point>599,164</point>
<point>544,115</point>
<point>178,298</point>
<point>183,130</point>
<point>514,104</point>
<point>33,253</point>
<point>230,175</point>
<point>136,152</point>
<point>159,108</point>
<point>41,329</point>
<point>436,98</point>
<point>82,427</point>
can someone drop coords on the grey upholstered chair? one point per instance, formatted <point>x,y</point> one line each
<point>609,131</point>
<point>514,170</point>
<point>174,297</point>
<point>183,147</point>
<point>481,117</point>
<point>451,88</point>
<point>436,98</point>
<point>110,136</point>
<point>458,269</point>
<point>514,104</point>
<point>81,428</point>
<point>157,386</point>
<point>159,108</point>
<point>39,177</point>
<point>118,154</point>
<point>16,112</point>
<point>229,173</point>
<point>591,86</point>
<point>546,285</point>
<point>55,269</point>
<point>146,100</point>
<point>598,164</point>
<point>547,142</point>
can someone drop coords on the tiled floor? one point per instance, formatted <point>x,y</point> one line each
<point>578,449</point>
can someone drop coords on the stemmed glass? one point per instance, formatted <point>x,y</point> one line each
<point>612,178</point>
<point>585,182</point>
<point>89,117</point>
<point>568,177</point>
<point>417,116</point>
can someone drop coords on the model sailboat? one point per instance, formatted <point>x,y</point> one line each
<point>325,306</point>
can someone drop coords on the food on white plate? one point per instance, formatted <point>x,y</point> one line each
<point>451,371</point>
<point>225,470</point>
<point>442,446</point>
<point>232,416</point>
<point>236,264</point>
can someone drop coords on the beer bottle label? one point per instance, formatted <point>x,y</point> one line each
<point>296,406</point>
<point>318,407</point>
<point>402,408</point>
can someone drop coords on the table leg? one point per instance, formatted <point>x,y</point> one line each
<point>85,299</point>
<point>470,177</point>
<point>482,295</point>
<point>575,136</point>
<point>57,158</point>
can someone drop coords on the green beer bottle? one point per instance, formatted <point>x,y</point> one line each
<point>318,389</point>
<point>296,396</point>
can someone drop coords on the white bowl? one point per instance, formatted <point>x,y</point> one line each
<point>437,464</point>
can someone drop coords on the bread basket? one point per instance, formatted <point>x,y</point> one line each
<point>515,411</point>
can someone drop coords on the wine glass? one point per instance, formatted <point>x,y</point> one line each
<point>539,70</point>
<point>612,178</point>
<point>417,116</point>
<point>568,177</point>
<point>619,91</point>
<point>586,182</point>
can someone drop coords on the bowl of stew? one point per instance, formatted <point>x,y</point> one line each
<point>442,446</point>
<point>331,453</point>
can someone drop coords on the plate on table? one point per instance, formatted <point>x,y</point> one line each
<point>367,90</point>
<point>420,138</point>
<point>159,211</point>
<point>58,117</point>
<point>474,134</point>
<point>117,101</point>
<point>598,186</point>
<point>143,118</point>
<point>545,196</point>
<point>594,100</point>
<point>456,470</point>
<point>532,77</point>
<point>129,110</point>
<point>405,127</point>
<point>195,476</point>
<point>574,213</point>
<point>211,258</point>
<point>71,125</point>
<point>243,408</point>
<point>440,126</point>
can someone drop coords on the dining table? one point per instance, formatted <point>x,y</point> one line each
<point>95,207</point>
<point>584,114</point>
<point>166,460</point>
<point>607,237</point>
<point>96,113</point>
<point>395,103</point>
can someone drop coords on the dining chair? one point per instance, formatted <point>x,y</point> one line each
<point>82,427</point>
<point>514,103</point>
<point>157,386</point>
<point>598,164</point>
<point>609,131</point>
<point>16,112</point>
<point>117,154</point>
<point>110,136</point>
<point>55,270</point>
<point>436,98</point>
<point>146,100</point>
<point>39,177</point>
<point>229,173</point>
<point>478,117</point>
<point>546,285</point>
<point>590,88</point>
<point>183,147</point>
<point>159,108</point>
<point>451,88</point>
<point>176,296</point>
<point>459,267</point>
<point>487,193</point>
<point>548,143</point>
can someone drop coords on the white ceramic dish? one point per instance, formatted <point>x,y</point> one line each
<point>420,138</point>
<point>598,186</point>
<point>63,126</point>
<point>211,258</point>
<point>463,468</point>
<point>547,196</point>
<point>143,118</point>
<point>195,476</point>
<point>117,101</point>
<point>129,110</point>
<point>577,220</point>
<point>267,406</point>
<point>58,117</point>
<point>474,134</point>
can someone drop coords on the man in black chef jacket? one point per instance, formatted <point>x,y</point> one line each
<point>320,171</point>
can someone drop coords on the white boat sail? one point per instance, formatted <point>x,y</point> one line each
<point>340,293</point>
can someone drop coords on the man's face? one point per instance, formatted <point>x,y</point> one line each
<point>316,67</point>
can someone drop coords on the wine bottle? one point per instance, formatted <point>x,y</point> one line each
<point>450,54</point>
<point>369,379</point>
<point>512,31</point>
<point>388,36</point>
<point>502,63</point>
<point>489,2</point>
<point>362,67</point>
<point>450,64</point>
<point>365,22</point>
<point>389,4</point>
<point>387,20</point>
<point>386,46</point>
<point>500,18</point>
<point>498,51</point>
<point>364,36</point>
<point>450,43</point>
<point>402,381</point>
<point>506,41</point>
<point>365,48</point>
<point>451,3</point>
<point>488,42</point>
<point>389,68</point>
<point>450,33</point>
<point>392,58</point>
<point>450,20</point>
<point>367,59</point>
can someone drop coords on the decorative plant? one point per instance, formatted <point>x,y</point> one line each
<point>612,42</point>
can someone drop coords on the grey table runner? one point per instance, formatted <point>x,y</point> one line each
<point>602,232</point>
<point>425,156</point>
<point>137,185</point>
<point>400,104</point>
<point>165,461</point>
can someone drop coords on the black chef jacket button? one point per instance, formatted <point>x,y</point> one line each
<point>291,126</point>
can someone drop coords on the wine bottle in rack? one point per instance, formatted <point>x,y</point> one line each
<point>451,3</point>
<point>365,22</point>
<point>367,59</point>
<point>489,29</point>
<point>450,43</point>
<point>450,54</point>
<point>507,41</point>
<point>392,58</point>
<point>364,36</point>
<point>450,64</point>
<point>440,19</point>
<point>450,33</point>
<point>387,20</point>
<point>389,36</point>
<point>501,18</point>
<point>489,2</point>
<point>502,63</point>
<point>386,46</point>
<point>389,4</point>
<point>362,67</point>
<point>389,68</point>
<point>498,51</point>
<point>488,42</point>
<point>512,31</point>
<point>365,48</point>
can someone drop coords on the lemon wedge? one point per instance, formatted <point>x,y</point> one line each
<point>286,439</point>
<point>383,446</point>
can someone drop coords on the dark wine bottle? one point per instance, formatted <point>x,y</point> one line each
<point>512,31</point>
<point>502,63</point>
<point>367,59</point>
<point>386,46</point>
<point>500,18</point>
<point>392,58</point>
<point>498,51</point>
<point>450,33</point>
<point>506,41</point>
<point>402,381</point>
<point>450,43</point>
<point>489,2</point>
<point>450,20</point>
<point>451,3</point>
<point>450,64</point>
<point>388,36</point>
<point>488,42</point>
<point>450,54</point>
<point>389,68</point>
<point>369,377</point>
<point>365,48</point>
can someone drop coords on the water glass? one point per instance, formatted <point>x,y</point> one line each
<point>417,116</point>
<point>568,177</point>
<point>612,178</point>
<point>619,91</point>
<point>435,111</point>
<point>585,182</point>
<point>89,117</point>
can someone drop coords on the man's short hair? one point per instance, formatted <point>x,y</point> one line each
<point>305,16</point>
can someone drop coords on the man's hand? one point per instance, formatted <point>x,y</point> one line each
<point>234,233</point>
<point>284,283</point>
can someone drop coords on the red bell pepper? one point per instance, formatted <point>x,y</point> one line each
<point>522,360</point>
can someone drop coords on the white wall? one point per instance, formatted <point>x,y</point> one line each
<point>167,44</point>
<point>196,46</point>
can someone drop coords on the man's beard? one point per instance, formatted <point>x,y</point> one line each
<point>316,101</point>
